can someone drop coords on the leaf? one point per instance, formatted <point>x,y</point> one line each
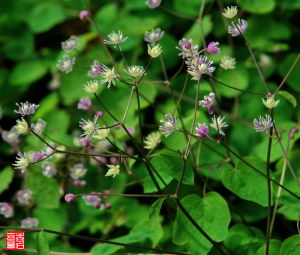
<point>155,210</point>
<point>246,183</point>
<point>289,97</point>
<point>257,6</point>
<point>6,176</point>
<point>211,213</point>
<point>291,246</point>
<point>42,245</point>
<point>273,248</point>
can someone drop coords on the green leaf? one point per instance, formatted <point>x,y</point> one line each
<point>42,245</point>
<point>291,246</point>
<point>274,247</point>
<point>6,176</point>
<point>289,97</point>
<point>155,210</point>
<point>246,183</point>
<point>211,213</point>
<point>257,6</point>
<point>45,15</point>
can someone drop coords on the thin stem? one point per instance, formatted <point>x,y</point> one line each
<point>164,69</point>
<point>128,104</point>
<point>123,56</point>
<point>139,113</point>
<point>125,195</point>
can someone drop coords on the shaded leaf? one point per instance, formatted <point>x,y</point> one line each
<point>6,176</point>
<point>42,245</point>
<point>289,97</point>
<point>155,210</point>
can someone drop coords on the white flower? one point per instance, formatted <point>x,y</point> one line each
<point>21,126</point>
<point>77,171</point>
<point>70,44</point>
<point>91,87</point>
<point>218,124</point>
<point>152,140</point>
<point>113,170</point>
<point>227,62</point>
<point>135,71</point>
<point>39,126</point>
<point>154,51</point>
<point>230,12</point>
<point>115,38</point>
<point>26,109</point>
<point>270,102</point>
<point>109,75</point>
<point>101,133</point>
<point>22,162</point>
<point>89,127</point>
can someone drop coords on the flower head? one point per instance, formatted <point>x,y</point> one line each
<point>21,126</point>
<point>270,102</point>
<point>227,62</point>
<point>136,71</point>
<point>238,27</point>
<point>153,3</point>
<point>101,133</point>
<point>84,14</point>
<point>91,86</point>
<point>22,162</point>
<point>70,44</point>
<point>199,65</point>
<point>186,48</point>
<point>29,223</point>
<point>39,126</point>
<point>115,38</point>
<point>152,140</point>
<point>212,48</point>
<point>92,199</point>
<point>36,156</point>
<point>201,130</point>
<point>77,171</point>
<point>168,125</point>
<point>49,151</point>
<point>89,127</point>
<point>24,196</point>
<point>66,64</point>
<point>230,12</point>
<point>154,35</point>
<point>69,198</point>
<point>6,210</point>
<point>96,69</point>
<point>109,76</point>
<point>26,109</point>
<point>208,101</point>
<point>154,50</point>
<point>11,136</point>
<point>84,103</point>
<point>218,124</point>
<point>263,123</point>
<point>113,170</point>
<point>49,169</point>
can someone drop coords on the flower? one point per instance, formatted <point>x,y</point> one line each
<point>22,162</point>
<point>201,130</point>
<point>6,210</point>
<point>186,48</point>
<point>29,223</point>
<point>263,123</point>
<point>168,125</point>
<point>227,62</point>
<point>136,71</point>
<point>69,198</point>
<point>218,124</point>
<point>70,44</point>
<point>270,102</point>
<point>198,65</point>
<point>101,133</point>
<point>237,27</point>
<point>77,171</point>
<point>37,156</point>
<point>84,103</point>
<point>39,126</point>
<point>96,69</point>
<point>92,199</point>
<point>79,183</point>
<point>113,170</point>
<point>154,35</point>
<point>109,75</point>
<point>26,109</point>
<point>115,38</point>
<point>11,136</point>
<point>154,51</point>
<point>208,101</point>
<point>153,3</point>
<point>230,12</point>
<point>21,126</point>
<point>212,48</point>
<point>24,196</point>
<point>66,64</point>
<point>84,14</point>
<point>49,169</point>
<point>91,87</point>
<point>89,127</point>
<point>48,151</point>
<point>152,140</point>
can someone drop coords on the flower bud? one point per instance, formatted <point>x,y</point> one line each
<point>83,15</point>
<point>69,198</point>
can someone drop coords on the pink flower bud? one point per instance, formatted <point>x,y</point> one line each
<point>69,198</point>
<point>85,142</point>
<point>79,183</point>
<point>107,206</point>
<point>97,205</point>
<point>83,15</point>
<point>212,48</point>
<point>187,45</point>
<point>99,114</point>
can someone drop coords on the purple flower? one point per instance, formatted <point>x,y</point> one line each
<point>83,15</point>
<point>79,183</point>
<point>198,65</point>
<point>37,156</point>
<point>29,223</point>
<point>6,210</point>
<point>11,136</point>
<point>212,48</point>
<point>85,142</point>
<point>84,103</point>
<point>69,198</point>
<point>208,101</point>
<point>168,125</point>
<point>263,123</point>
<point>201,130</point>
<point>24,196</point>
<point>96,69</point>
<point>237,27</point>
<point>108,206</point>
<point>186,48</point>
<point>92,199</point>
<point>153,3</point>
<point>26,109</point>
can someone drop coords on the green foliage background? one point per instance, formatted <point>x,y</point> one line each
<point>234,209</point>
